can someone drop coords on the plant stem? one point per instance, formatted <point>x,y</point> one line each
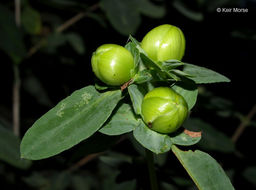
<point>17,12</point>
<point>16,82</point>
<point>151,169</point>
<point>16,101</point>
<point>244,123</point>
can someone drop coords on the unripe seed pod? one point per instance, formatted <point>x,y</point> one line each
<point>164,42</point>
<point>112,64</point>
<point>164,110</point>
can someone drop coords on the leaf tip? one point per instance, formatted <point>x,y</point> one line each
<point>193,134</point>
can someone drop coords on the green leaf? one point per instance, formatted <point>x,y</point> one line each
<point>203,75</point>
<point>137,93</point>
<point>136,43</point>
<point>188,90</point>
<point>10,149</point>
<point>185,137</point>
<point>170,64</point>
<point>74,119</point>
<point>149,62</point>
<point>76,42</point>
<point>11,40</point>
<point>206,173</point>
<point>212,139</point>
<point>143,76</point>
<point>136,56</point>
<point>149,9</point>
<point>162,73</point>
<point>122,121</point>
<point>180,73</point>
<point>250,174</point>
<point>31,20</point>
<point>122,15</point>
<point>156,142</point>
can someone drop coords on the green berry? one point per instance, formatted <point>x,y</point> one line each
<point>164,110</point>
<point>112,64</point>
<point>164,42</point>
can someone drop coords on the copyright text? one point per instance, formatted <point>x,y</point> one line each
<point>232,10</point>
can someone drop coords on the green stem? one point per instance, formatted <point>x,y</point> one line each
<point>151,170</point>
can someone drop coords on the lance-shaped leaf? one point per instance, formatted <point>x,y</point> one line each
<point>9,149</point>
<point>185,137</point>
<point>156,142</point>
<point>137,94</point>
<point>74,119</point>
<point>203,75</point>
<point>203,169</point>
<point>143,76</point>
<point>188,90</point>
<point>122,121</point>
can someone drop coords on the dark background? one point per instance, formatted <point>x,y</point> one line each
<point>224,42</point>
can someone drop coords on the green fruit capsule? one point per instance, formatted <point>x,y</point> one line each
<point>112,64</point>
<point>164,42</point>
<point>164,110</point>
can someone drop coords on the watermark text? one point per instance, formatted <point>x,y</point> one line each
<point>232,10</point>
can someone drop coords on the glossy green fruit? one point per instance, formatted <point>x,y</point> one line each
<point>164,110</point>
<point>112,64</point>
<point>164,42</point>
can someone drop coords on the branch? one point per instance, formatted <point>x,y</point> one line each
<point>90,157</point>
<point>244,123</point>
<point>84,161</point>
<point>63,27</point>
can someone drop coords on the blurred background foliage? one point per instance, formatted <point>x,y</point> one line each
<point>45,50</point>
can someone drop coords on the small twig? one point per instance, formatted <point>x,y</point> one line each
<point>90,157</point>
<point>83,161</point>
<point>76,18</point>
<point>62,28</point>
<point>244,123</point>
<point>36,47</point>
